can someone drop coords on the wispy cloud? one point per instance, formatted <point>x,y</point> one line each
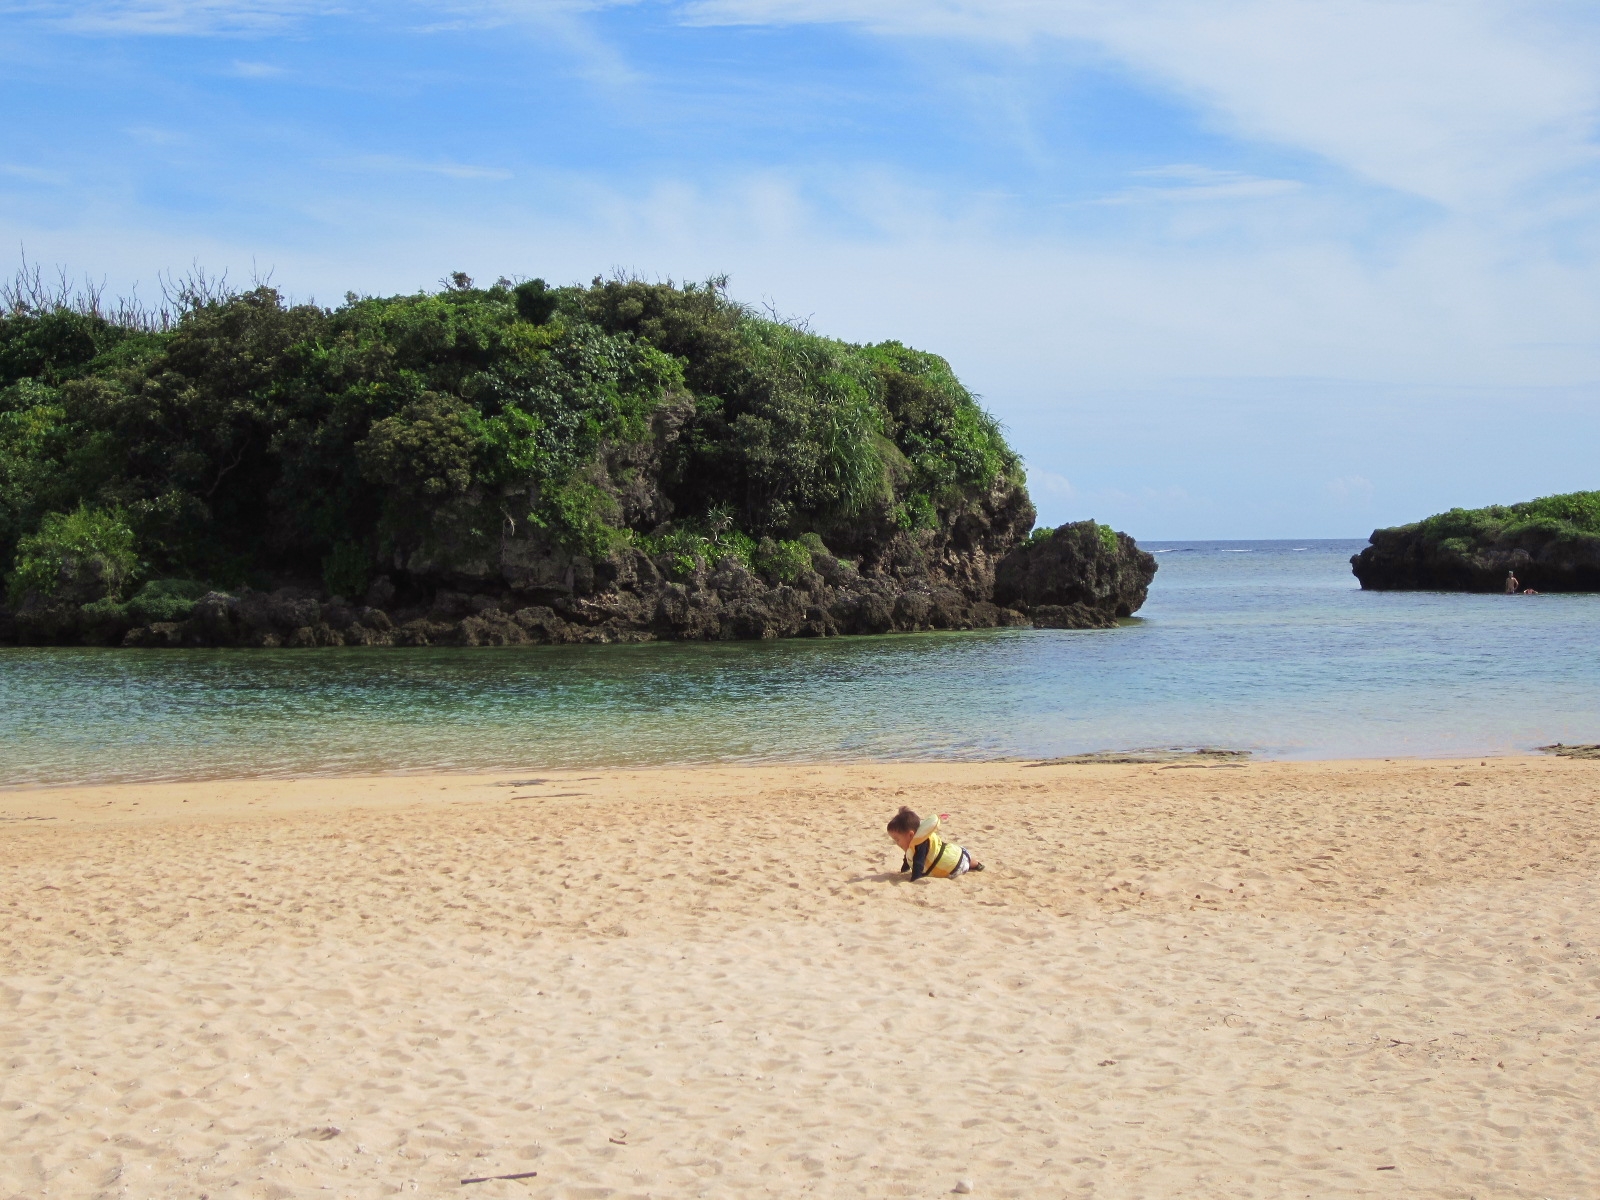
<point>1465,102</point>
<point>390,164</point>
<point>151,135</point>
<point>1350,491</point>
<point>1050,483</point>
<point>565,23</point>
<point>256,70</point>
<point>1186,183</point>
<point>32,174</point>
<point>193,18</point>
<point>211,17</point>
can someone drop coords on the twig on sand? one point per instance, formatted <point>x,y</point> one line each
<point>489,1178</point>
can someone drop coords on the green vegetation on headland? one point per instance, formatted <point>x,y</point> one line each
<point>1550,544</point>
<point>514,446</point>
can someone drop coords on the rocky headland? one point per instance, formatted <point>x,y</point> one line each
<point>1550,545</point>
<point>508,465</point>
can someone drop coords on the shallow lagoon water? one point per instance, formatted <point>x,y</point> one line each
<point>1265,646</point>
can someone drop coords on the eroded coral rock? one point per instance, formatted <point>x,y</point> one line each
<point>1081,576</point>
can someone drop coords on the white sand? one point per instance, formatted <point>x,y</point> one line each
<point>711,983</point>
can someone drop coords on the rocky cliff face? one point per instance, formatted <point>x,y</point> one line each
<point>538,593</point>
<point>973,575</point>
<point>1414,558</point>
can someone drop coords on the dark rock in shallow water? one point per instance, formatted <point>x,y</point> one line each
<point>1081,576</point>
<point>1589,750</point>
<point>1198,756</point>
<point>161,635</point>
<point>215,619</point>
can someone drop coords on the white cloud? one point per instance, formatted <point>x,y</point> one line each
<point>1050,483</point>
<point>1464,102</point>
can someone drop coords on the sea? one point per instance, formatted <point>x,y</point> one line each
<point>1263,646</point>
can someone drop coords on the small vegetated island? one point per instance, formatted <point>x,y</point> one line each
<point>508,464</point>
<point>1551,545</point>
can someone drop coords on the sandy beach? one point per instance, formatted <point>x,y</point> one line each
<point>1275,980</point>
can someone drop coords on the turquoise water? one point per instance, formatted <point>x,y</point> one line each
<point>1266,646</point>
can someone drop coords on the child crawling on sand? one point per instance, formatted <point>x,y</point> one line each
<point>926,852</point>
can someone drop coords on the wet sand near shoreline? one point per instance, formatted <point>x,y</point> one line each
<point>1174,980</point>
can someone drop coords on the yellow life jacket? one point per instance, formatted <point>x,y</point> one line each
<point>943,856</point>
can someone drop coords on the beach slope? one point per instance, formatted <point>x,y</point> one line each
<point>1277,979</point>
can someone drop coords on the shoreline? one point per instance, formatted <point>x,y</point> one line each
<point>865,764</point>
<point>1348,978</point>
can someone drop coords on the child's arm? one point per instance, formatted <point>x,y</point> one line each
<point>919,862</point>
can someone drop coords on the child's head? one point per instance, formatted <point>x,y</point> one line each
<point>903,827</point>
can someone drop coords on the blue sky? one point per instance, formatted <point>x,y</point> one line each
<point>1225,268</point>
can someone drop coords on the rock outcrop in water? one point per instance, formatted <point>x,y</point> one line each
<point>491,466</point>
<point>1080,576</point>
<point>1551,545</point>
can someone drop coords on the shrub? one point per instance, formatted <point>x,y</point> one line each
<point>423,454</point>
<point>808,433</point>
<point>536,303</point>
<point>34,436</point>
<point>164,600</point>
<point>76,557</point>
<point>1108,538</point>
<point>786,561</point>
<point>688,551</point>
<point>917,511</point>
<point>581,515</point>
<point>693,545</point>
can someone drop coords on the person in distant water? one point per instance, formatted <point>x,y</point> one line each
<point>926,851</point>
<point>1512,584</point>
<point>1529,592</point>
